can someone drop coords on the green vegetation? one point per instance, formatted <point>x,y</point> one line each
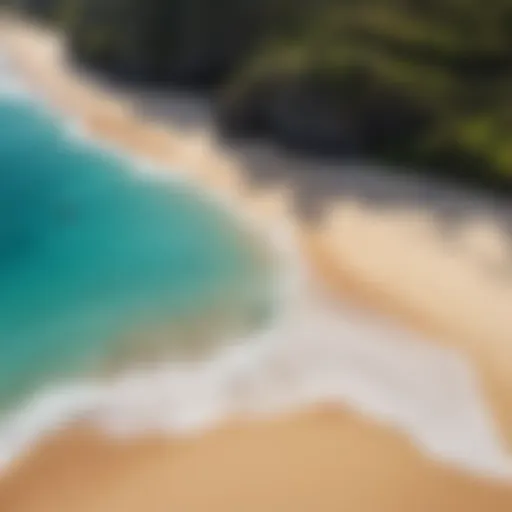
<point>425,81</point>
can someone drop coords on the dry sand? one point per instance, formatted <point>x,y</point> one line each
<point>320,460</point>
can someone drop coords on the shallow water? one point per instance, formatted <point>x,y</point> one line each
<point>93,252</point>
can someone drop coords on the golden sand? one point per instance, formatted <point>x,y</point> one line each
<point>318,461</point>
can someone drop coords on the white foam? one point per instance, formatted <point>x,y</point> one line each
<point>11,87</point>
<point>316,353</point>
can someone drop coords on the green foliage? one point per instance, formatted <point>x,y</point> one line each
<point>442,67</point>
<point>428,80</point>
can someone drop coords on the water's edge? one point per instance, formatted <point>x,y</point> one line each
<point>312,354</point>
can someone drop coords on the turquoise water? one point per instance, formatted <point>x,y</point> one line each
<point>91,251</point>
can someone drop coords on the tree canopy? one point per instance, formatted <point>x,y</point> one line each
<point>428,81</point>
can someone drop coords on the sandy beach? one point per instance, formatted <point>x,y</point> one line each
<point>394,262</point>
<point>322,460</point>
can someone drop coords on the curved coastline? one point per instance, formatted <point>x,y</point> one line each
<point>98,125</point>
<point>274,207</point>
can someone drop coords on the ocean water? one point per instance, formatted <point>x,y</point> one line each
<point>100,263</point>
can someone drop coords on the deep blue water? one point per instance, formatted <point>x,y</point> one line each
<point>91,252</point>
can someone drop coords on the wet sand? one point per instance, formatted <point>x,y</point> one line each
<point>318,461</point>
<point>321,460</point>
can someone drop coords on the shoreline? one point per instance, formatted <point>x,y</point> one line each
<point>458,265</point>
<point>319,247</point>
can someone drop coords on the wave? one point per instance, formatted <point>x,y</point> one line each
<point>314,352</point>
<point>313,355</point>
